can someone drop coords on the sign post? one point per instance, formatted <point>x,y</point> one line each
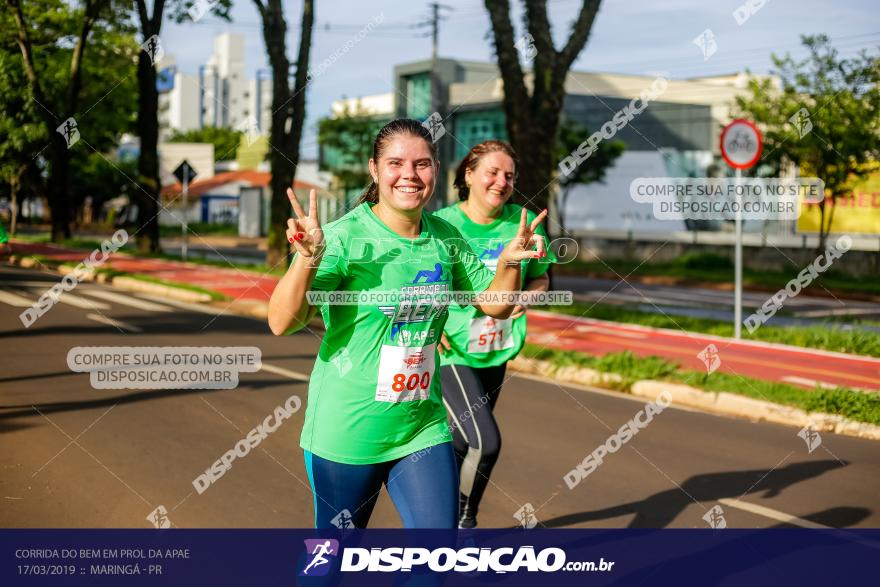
<point>184,174</point>
<point>741,144</point>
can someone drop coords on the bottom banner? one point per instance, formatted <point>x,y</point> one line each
<point>781,556</point>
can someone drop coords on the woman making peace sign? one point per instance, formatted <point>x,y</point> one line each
<point>374,413</point>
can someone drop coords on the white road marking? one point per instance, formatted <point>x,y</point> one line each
<point>127,300</point>
<point>15,300</point>
<point>201,308</point>
<point>772,514</point>
<point>72,300</point>
<point>838,312</point>
<point>285,372</point>
<point>611,332</point>
<point>114,323</point>
<point>644,299</point>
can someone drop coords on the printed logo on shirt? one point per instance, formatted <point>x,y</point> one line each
<point>420,301</point>
<point>431,276</point>
<point>489,256</point>
<point>492,253</point>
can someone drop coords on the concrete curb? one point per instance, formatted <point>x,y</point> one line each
<point>729,404</point>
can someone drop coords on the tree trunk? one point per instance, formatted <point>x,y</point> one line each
<point>59,168</point>
<point>56,193</point>
<point>533,119</point>
<point>14,191</point>
<point>147,197</point>
<point>288,114</point>
<point>823,235</point>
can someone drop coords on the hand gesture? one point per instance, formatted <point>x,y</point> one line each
<point>304,232</point>
<point>520,248</point>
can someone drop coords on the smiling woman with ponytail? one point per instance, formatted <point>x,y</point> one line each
<point>374,396</point>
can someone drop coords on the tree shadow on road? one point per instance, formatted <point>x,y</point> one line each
<point>661,509</point>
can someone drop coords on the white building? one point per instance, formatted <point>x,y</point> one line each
<point>218,95</point>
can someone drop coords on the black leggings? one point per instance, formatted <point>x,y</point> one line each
<point>470,395</point>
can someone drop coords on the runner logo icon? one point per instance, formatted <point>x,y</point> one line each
<point>317,551</point>
<point>431,276</point>
<point>492,253</point>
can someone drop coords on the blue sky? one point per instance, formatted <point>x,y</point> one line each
<point>627,37</point>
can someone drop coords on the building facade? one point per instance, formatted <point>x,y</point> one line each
<point>676,135</point>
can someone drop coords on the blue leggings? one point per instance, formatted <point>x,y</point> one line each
<point>423,487</point>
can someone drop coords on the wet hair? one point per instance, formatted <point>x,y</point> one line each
<point>472,159</point>
<point>398,126</point>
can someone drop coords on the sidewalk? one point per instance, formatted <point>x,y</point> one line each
<point>249,294</point>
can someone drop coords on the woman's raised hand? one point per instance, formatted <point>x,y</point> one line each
<point>520,248</point>
<point>304,232</point>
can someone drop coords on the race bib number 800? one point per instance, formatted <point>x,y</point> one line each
<point>405,373</point>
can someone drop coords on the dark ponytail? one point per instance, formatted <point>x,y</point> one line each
<point>472,159</point>
<point>399,126</point>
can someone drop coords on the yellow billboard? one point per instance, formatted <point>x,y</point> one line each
<point>251,152</point>
<point>856,213</point>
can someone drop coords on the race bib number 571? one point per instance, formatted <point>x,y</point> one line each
<point>488,334</point>
<point>405,373</point>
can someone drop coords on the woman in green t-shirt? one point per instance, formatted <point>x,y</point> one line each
<point>477,346</point>
<point>374,413</point>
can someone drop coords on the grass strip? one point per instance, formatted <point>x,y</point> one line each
<point>855,405</point>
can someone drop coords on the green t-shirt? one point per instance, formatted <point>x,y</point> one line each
<point>375,394</point>
<point>477,340</point>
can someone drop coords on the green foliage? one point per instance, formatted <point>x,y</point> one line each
<point>225,140</point>
<point>104,107</point>
<point>698,261</point>
<point>571,135</point>
<point>842,100</point>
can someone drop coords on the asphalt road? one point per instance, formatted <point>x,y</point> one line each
<point>74,456</point>
<point>813,306</point>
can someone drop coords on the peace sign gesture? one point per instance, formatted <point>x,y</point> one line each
<point>304,232</point>
<point>520,248</point>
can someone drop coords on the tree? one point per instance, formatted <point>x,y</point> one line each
<point>288,114</point>
<point>51,38</point>
<point>825,120</point>
<point>90,17</point>
<point>349,138</point>
<point>148,195</point>
<point>225,140</point>
<point>24,134</point>
<point>533,119</point>
<point>592,170</point>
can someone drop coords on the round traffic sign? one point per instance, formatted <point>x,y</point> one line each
<point>741,144</point>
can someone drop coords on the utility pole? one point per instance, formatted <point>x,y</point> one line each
<point>437,105</point>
